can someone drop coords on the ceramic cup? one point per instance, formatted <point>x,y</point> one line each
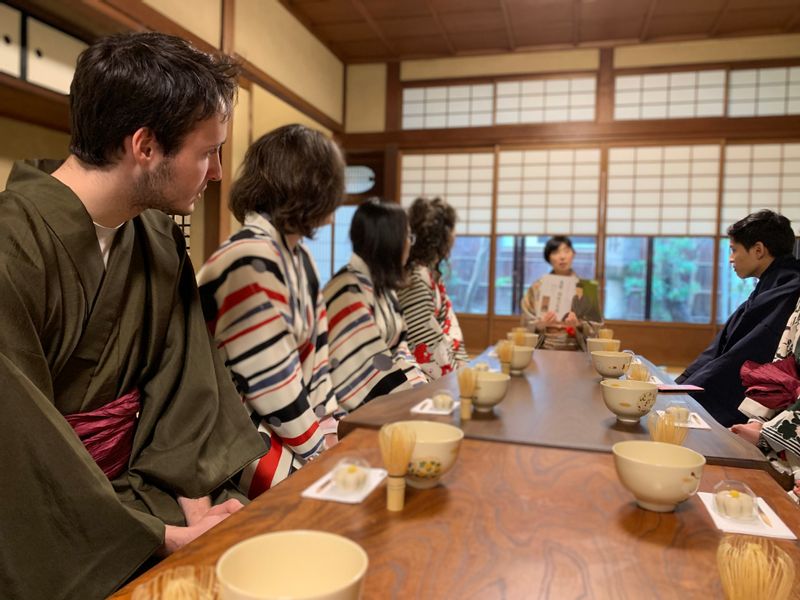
<point>520,359</point>
<point>611,364</point>
<point>490,390</point>
<point>629,400</point>
<point>435,452</point>
<point>254,570</point>
<point>528,339</point>
<point>660,476</point>
<point>601,344</point>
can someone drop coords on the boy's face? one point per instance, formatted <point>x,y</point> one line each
<point>177,182</point>
<point>746,262</point>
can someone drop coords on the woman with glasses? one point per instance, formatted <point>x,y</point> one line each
<point>369,355</point>
<point>433,331</point>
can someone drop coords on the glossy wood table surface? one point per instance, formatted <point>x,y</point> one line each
<point>557,402</point>
<point>509,521</point>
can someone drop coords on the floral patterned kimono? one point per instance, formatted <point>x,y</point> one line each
<point>433,331</point>
<point>780,435</point>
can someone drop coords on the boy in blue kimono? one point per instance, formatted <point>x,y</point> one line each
<point>761,246</point>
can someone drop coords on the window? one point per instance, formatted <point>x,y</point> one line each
<point>548,191</point>
<point>520,262</point>
<point>448,106</point>
<point>358,179</point>
<point>331,246</point>
<point>676,95</point>
<point>464,180</point>
<point>760,176</point>
<point>666,279</point>
<point>663,190</point>
<point>545,100</point>
<point>467,275</point>
<point>731,290</point>
<point>764,92</point>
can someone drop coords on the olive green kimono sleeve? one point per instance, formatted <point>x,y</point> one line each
<point>65,534</point>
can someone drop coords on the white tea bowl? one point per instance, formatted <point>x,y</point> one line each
<point>434,454</point>
<point>629,400</point>
<point>659,475</point>
<point>490,389</point>
<point>254,570</point>
<point>611,364</point>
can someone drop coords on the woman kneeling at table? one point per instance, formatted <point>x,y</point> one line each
<point>368,346</point>
<point>262,300</point>
<point>433,332</point>
<point>584,318</point>
<point>774,408</point>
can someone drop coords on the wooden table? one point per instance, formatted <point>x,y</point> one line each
<point>558,403</point>
<point>509,521</point>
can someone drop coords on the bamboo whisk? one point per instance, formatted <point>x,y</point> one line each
<point>664,428</point>
<point>467,378</point>
<point>180,583</point>
<point>754,568</point>
<point>518,337</point>
<point>504,349</point>
<point>397,443</point>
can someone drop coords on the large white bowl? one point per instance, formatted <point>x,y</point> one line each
<point>520,359</point>
<point>490,389</point>
<point>629,400</point>
<point>659,475</point>
<point>435,452</point>
<point>600,344</point>
<point>611,364</point>
<point>278,565</point>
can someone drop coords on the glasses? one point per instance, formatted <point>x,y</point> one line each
<point>412,238</point>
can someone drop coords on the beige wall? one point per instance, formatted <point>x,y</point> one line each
<point>20,140</point>
<point>202,17</point>
<point>270,112</point>
<point>267,35</point>
<point>705,51</point>
<point>366,98</point>
<point>240,138</point>
<point>501,64</point>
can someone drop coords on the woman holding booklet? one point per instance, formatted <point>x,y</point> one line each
<point>560,304</point>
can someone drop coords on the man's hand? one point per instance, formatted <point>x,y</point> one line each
<point>571,319</point>
<point>750,432</point>
<point>549,316</point>
<point>200,517</point>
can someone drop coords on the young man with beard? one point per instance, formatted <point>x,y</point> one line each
<point>122,428</point>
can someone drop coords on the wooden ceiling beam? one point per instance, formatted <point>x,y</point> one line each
<point>792,21</point>
<point>362,10</point>
<point>512,45</point>
<point>437,19</point>
<point>648,18</point>
<point>720,15</point>
<point>576,22</point>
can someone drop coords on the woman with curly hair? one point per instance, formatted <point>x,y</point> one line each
<point>433,332</point>
<point>262,299</point>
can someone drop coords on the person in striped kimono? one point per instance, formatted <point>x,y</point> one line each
<point>262,300</point>
<point>369,353</point>
<point>433,331</point>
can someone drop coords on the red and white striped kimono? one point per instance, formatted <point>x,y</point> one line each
<point>368,349</point>
<point>263,306</point>
<point>433,331</point>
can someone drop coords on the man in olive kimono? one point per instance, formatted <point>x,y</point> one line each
<point>121,427</point>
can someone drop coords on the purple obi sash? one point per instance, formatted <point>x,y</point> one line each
<point>107,432</point>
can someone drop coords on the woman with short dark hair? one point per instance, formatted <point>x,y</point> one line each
<point>560,331</point>
<point>433,332</point>
<point>262,301</point>
<point>369,353</point>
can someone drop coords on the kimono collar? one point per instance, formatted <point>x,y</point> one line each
<point>356,263</point>
<point>262,222</point>
<point>65,214</point>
